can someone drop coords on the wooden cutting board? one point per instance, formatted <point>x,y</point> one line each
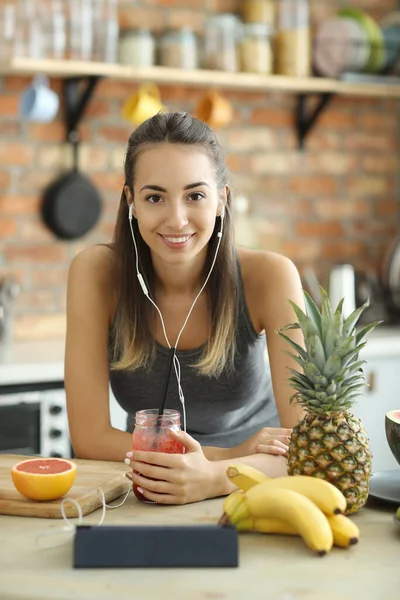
<point>91,474</point>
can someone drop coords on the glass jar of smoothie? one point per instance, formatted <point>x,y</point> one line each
<point>151,434</point>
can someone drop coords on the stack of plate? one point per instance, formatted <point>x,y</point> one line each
<point>353,42</point>
<point>390,26</point>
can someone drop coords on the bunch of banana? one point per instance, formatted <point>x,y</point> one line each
<point>291,505</point>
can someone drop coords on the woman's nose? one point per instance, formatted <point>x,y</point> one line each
<point>177,217</point>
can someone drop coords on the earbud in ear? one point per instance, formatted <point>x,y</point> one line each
<point>130,211</point>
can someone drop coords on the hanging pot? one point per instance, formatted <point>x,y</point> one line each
<point>71,204</point>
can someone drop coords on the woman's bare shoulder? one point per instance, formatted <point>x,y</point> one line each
<point>94,266</point>
<point>257,266</point>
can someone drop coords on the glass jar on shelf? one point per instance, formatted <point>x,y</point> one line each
<point>178,49</point>
<point>259,11</point>
<point>137,48</point>
<point>221,39</point>
<point>293,42</point>
<point>256,55</point>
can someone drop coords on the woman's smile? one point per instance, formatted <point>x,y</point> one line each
<point>177,242</point>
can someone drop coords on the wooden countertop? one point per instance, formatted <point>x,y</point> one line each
<point>270,567</point>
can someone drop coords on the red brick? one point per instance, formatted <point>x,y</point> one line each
<point>381,164</point>
<point>34,230</point>
<point>114,133</point>
<point>10,129</point>
<point>51,253</point>
<point>313,185</point>
<point>5,178</point>
<point>367,186</point>
<point>373,229</point>
<point>335,119</point>
<point>344,250</point>
<point>108,88</point>
<point>338,208</point>
<point>186,18</point>
<point>108,181</point>
<point>45,278</point>
<point>8,228</point>
<point>236,163</point>
<point>302,251</point>
<point>273,117</point>
<point>133,17</point>
<point>246,139</point>
<point>16,154</point>
<point>355,140</point>
<point>47,132</point>
<point>182,4</point>
<point>98,108</point>
<point>321,229</point>
<point>9,105</point>
<point>378,121</point>
<point>387,208</point>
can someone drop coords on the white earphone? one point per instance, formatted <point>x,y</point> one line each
<point>177,366</point>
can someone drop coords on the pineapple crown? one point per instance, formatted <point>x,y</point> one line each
<point>332,372</point>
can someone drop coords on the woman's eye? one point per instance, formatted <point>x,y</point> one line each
<point>153,199</point>
<point>196,196</point>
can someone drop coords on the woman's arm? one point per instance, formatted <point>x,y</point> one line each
<point>281,283</point>
<point>89,302</point>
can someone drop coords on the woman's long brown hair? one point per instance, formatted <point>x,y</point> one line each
<point>133,325</point>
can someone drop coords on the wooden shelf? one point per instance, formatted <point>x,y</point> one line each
<point>199,78</point>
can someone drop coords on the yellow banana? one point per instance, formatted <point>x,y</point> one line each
<point>266,525</point>
<point>289,506</point>
<point>245,477</point>
<point>345,532</point>
<point>325,495</point>
<point>232,502</point>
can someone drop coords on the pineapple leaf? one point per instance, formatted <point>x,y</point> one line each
<point>311,371</point>
<point>316,352</point>
<point>332,366</point>
<point>361,334</point>
<point>289,326</point>
<point>313,311</point>
<point>306,324</point>
<point>347,391</point>
<point>297,347</point>
<point>352,319</point>
<point>333,332</point>
<point>326,313</point>
<point>298,359</point>
<point>353,355</point>
<point>345,346</point>
<point>306,382</point>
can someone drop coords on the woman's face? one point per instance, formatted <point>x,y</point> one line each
<point>176,201</point>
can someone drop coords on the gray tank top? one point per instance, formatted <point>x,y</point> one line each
<point>223,411</point>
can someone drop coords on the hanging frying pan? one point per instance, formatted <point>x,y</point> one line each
<point>71,204</point>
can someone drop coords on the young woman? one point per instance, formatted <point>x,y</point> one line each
<point>176,207</point>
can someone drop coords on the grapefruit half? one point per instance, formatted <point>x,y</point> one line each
<point>43,478</point>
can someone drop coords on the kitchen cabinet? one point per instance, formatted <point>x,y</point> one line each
<point>382,374</point>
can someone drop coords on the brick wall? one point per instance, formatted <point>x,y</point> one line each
<point>338,200</point>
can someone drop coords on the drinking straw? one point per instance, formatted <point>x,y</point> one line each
<point>166,382</point>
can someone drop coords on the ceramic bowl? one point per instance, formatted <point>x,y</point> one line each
<point>392,427</point>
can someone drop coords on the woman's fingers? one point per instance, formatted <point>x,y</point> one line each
<point>152,485</point>
<point>272,447</point>
<point>270,438</point>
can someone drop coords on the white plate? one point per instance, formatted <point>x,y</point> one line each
<point>385,485</point>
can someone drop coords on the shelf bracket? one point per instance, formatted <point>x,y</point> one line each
<point>76,101</point>
<point>305,121</point>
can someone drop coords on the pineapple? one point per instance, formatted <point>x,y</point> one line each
<point>329,442</point>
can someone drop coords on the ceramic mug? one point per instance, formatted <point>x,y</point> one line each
<point>38,102</point>
<point>214,109</point>
<point>144,104</point>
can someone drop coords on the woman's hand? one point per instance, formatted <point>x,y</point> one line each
<point>173,478</point>
<point>270,440</point>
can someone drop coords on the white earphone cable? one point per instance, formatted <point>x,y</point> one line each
<point>177,366</point>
